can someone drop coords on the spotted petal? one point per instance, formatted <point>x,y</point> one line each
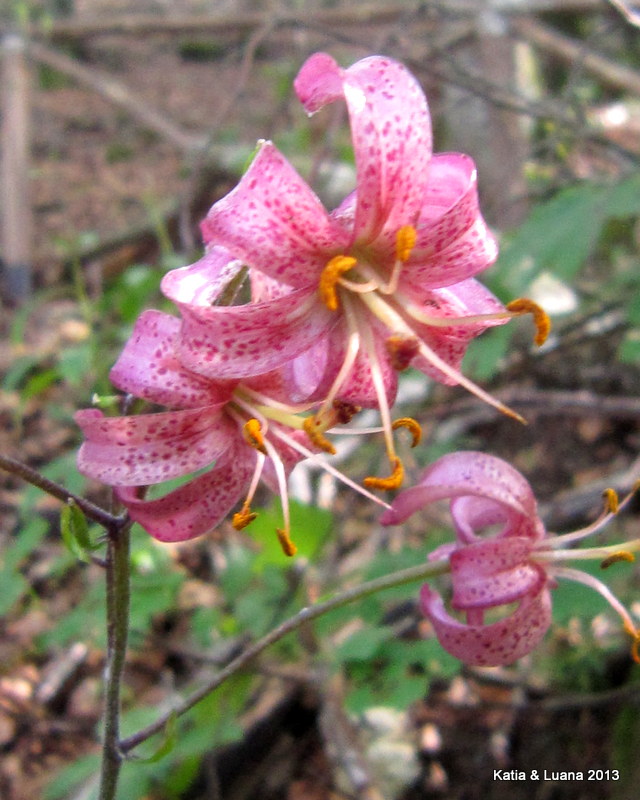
<point>391,132</point>
<point>148,367</point>
<point>454,242</point>
<point>495,644</point>
<point>465,299</point>
<point>151,448</point>
<point>274,222</point>
<point>494,572</point>
<point>471,474</point>
<point>198,506</point>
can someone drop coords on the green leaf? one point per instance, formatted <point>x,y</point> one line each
<point>75,531</point>
<point>363,645</point>
<point>168,743</point>
<point>72,776</point>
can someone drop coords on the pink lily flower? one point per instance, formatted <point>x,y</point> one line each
<point>344,300</point>
<point>238,433</point>
<point>502,555</point>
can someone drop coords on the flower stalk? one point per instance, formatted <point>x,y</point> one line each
<point>118,574</point>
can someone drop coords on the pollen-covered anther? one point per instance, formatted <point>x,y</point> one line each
<point>288,547</point>
<point>394,480</point>
<point>611,501</point>
<point>344,411</point>
<point>315,428</point>
<point>242,518</point>
<point>412,426</point>
<point>522,305</point>
<point>614,558</point>
<point>405,242</point>
<point>329,278</point>
<point>402,350</point>
<point>252,432</point>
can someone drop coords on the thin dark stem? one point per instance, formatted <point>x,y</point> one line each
<point>35,478</point>
<point>304,616</point>
<point>118,599</point>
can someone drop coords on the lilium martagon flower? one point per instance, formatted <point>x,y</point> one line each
<point>345,300</point>
<point>223,436</point>
<point>503,561</point>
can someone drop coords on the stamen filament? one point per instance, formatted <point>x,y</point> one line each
<point>281,476</point>
<point>597,525</point>
<point>353,348</point>
<point>603,589</point>
<point>397,323</point>
<point>381,394</point>
<point>245,516</point>
<point>516,308</point>
<point>327,467</point>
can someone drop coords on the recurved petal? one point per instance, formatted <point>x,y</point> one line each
<point>148,367</point>
<point>391,132</point>
<point>493,572</point>
<point>496,644</point>
<point>468,473</point>
<point>151,448</point>
<point>274,222</point>
<point>198,506</point>
<point>233,342</point>
<point>204,282</point>
<point>453,241</point>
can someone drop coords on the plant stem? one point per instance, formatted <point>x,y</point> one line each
<point>305,615</point>
<point>118,598</point>
<point>35,478</point>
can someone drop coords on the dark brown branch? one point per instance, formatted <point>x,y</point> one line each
<point>32,476</point>
<point>356,14</point>
<point>544,37</point>
<point>116,93</point>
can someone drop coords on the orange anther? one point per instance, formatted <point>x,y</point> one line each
<point>614,558</point>
<point>412,426</point>
<point>288,547</point>
<point>523,305</point>
<point>243,517</point>
<point>402,350</point>
<point>611,501</point>
<point>252,433</point>
<point>330,276</point>
<point>392,482</point>
<point>405,242</point>
<point>315,428</point>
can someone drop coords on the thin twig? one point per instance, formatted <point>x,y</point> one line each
<point>609,72</point>
<point>35,478</point>
<point>116,93</point>
<point>300,619</point>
